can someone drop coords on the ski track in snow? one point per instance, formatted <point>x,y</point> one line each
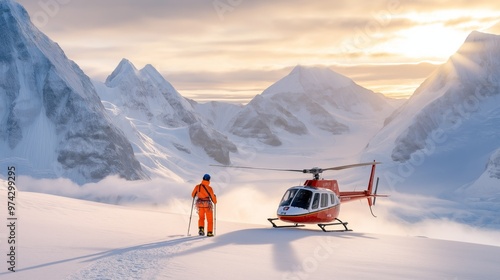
<point>144,261</point>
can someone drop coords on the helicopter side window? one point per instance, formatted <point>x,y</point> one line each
<point>324,200</point>
<point>333,198</point>
<point>315,203</point>
<point>302,199</point>
<point>287,197</point>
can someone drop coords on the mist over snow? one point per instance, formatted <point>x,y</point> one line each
<point>395,215</point>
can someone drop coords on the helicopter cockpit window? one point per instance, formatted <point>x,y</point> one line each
<point>287,198</point>
<point>302,199</point>
<point>315,203</point>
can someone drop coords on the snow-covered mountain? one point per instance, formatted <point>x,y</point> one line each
<point>52,122</point>
<point>307,98</point>
<point>167,132</point>
<point>448,131</point>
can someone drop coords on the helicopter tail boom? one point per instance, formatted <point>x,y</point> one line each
<point>368,193</point>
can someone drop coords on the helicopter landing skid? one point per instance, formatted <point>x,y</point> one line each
<point>271,220</point>
<point>322,226</point>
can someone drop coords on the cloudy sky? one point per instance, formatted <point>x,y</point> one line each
<point>234,49</point>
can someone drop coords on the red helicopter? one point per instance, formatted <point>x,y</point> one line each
<point>318,201</point>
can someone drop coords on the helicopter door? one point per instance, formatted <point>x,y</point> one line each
<point>315,203</point>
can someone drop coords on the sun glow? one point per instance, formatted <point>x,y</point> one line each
<point>431,42</point>
<point>437,35</point>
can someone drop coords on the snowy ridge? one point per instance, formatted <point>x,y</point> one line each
<point>146,95</point>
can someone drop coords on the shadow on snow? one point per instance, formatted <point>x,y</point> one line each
<point>284,255</point>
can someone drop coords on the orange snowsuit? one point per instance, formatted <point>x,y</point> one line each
<point>206,196</point>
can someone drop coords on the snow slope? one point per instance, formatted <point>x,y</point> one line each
<point>62,238</point>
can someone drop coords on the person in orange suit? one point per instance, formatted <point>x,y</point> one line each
<point>204,204</point>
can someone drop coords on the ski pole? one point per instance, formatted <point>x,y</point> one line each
<point>190,215</point>
<point>215,218</point>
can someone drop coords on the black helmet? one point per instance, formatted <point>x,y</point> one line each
<point>206,177</point>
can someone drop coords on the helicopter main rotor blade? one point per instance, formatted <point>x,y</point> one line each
<point>315,170</point>
<point>350,166</point>
<point>257,168</point>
